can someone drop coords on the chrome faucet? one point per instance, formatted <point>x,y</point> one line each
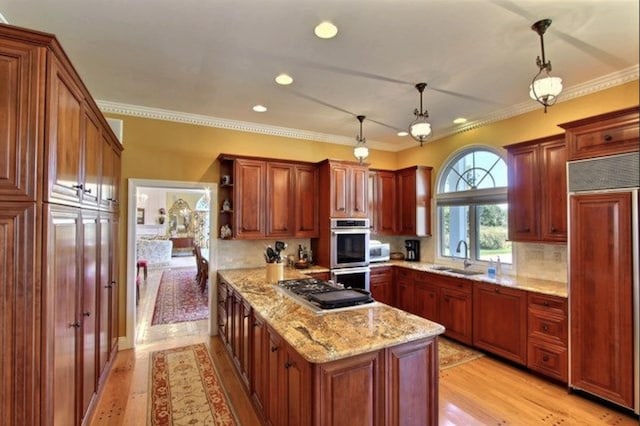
<point>466,253</point>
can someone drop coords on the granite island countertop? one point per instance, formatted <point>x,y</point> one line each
<point>327,336</point>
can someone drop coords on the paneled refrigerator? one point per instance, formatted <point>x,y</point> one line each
<point>604,343</point>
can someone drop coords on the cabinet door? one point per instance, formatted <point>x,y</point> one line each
<point>601,296</point>
<point>362,378</point>
<point>114,288</point>
<point>386,203</point>
<point>259,368</point>
<point>245,340</point>
<point>280,200</point>
<point>372,201</point>
<point>64,143</point>
<point>20,356</point>
<point>92,158</point>
<point>407,202</point>
<point>553,163</point>
<point>22,66</point>
<point>89,307</point>
<point>249,198</point>
<point>107,180</point>
<point>306,201</point>
<point>339,190</point>
<point>358,198</point>
<point>297,373</point>
<point>426,301</point>
<point>523,193</point>
<point>276,399</point>
<point>104,294</point>
<point>381,283</point>
<point>455,313</point>
<point>61,323</point>
<point>406,296</point>
<point>412,399</point>
<point>222,310</point>
<point>500,321</point>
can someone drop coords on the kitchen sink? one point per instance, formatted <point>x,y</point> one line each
<point>456,270</point>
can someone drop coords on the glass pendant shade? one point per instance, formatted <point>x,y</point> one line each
<point>545,90</point>
<point>420,130</point>
<point>360,152</point>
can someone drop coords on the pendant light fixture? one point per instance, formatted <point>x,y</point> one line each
<point>361,151</point>
<point>420,129</point>
<point>544,88</point>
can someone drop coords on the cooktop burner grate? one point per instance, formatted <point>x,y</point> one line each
<point>312,293</point>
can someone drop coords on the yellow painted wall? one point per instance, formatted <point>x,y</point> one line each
<point>165,150</point>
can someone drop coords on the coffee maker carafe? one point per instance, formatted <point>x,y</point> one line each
<point>413,250</point>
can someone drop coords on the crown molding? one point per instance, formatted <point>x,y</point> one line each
<point>224,123</point>
<point>592,86</point>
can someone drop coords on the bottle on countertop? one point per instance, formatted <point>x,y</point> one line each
<point>498,268</point>
<point>491,270</point>
<point>300,252</point>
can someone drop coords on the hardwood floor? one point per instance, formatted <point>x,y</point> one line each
<point>481,392</point>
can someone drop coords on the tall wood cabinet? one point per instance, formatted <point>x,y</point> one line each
<point>348,188</point>
<point>601,295</point>
<point>538,190</point>
<point>58,253</point>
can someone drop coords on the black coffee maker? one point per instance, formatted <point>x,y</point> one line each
<point>413,250</point>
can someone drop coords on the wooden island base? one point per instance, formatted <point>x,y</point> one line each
<point>396,385</point>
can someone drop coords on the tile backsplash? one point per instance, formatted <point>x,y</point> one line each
<point>233,254</point>
<point>542,261</point>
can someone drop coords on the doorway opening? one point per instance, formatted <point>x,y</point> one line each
<point>167,295</point>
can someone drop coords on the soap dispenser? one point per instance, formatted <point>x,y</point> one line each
<point>491,270</point>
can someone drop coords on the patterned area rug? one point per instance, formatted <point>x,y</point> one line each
<point>451,353</point>
<point>185,389</point>
<point>179,298</point>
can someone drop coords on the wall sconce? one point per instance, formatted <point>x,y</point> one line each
<point>544,88</point>
<point>420,129</point>
<point>361,151</point>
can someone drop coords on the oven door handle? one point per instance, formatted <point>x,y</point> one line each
<point>350,232</point>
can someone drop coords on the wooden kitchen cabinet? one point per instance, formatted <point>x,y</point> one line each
<point>547,336</point>
<point>414,201</point>
<point>381,284</point>
<point>601,289</point>
<point>426,297</point>
<point>605,134</point>
<point>306,201</point>
<point>455,309</point>
<point>249,198</point>
<point>382,202</point>
<point>403,281</point>
<point>500,321</point>
<point>259,366</point>
<point>52,236</point>
<point>537,190</point>
<point>348,188</point>
<point>268,198</point>
<point>279,207</point>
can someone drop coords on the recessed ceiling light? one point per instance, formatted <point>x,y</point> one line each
<point>403,133</point>
<point>284,79</point>
<point>460,120</point>
<point>325,30</point>
<point>260,108</point>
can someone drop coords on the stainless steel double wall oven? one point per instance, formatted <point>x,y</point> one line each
<point>350,252</point>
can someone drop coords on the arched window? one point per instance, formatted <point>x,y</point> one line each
<point>472,206</point>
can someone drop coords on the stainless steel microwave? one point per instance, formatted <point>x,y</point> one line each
<point>379,252</point>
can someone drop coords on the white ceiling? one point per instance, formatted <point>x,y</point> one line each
<point>219,58</point>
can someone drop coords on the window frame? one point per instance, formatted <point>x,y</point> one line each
<point>470,198</point>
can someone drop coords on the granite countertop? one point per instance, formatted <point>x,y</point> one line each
<point>329,336</point>
<point>553,288</point>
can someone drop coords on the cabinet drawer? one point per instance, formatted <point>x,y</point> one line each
<point>381,274</point>
<point>554,304</point>
<point>404,274</point>
<point>548,359</point>
<point>548,327</point>
<point>457,284</point>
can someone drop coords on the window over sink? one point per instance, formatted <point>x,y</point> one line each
<point>471,199</point>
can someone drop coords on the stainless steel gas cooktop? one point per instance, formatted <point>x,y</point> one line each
<point>323,296</point>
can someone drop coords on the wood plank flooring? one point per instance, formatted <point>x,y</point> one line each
<point>481,392</point>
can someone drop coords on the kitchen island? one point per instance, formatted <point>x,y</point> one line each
<point>371,365</point>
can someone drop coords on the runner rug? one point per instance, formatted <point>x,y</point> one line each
<point>185,389</point>
<point>179,298</point>
<point>451,353</point>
